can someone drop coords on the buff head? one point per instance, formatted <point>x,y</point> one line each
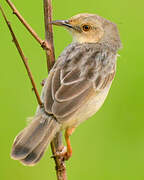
<point>90,28</point>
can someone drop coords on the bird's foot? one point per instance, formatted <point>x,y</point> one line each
<point>63,154</point>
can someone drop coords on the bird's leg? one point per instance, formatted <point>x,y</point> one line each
<point>66,153</point>
<point>68,133</point>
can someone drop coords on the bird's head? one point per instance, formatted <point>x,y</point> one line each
<point>90,28</point>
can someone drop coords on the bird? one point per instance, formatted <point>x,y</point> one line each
<point>75,88</point>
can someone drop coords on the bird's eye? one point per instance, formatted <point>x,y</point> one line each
<point>86,27</point>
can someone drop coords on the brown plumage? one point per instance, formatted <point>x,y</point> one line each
<point>76,86</point>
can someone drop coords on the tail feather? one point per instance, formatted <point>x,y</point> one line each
<point>31,143</point>
<point>35,155</point>
<point>17,138</point>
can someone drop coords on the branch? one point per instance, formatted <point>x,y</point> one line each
<point>48,46</point>
<point>49,33</point>
<point>43,43</point>
<point>56,144</point>
<point>24,59</point>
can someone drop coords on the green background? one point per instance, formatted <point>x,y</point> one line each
<point>109,146</point>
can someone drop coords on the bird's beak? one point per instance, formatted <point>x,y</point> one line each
<point>64,23</point>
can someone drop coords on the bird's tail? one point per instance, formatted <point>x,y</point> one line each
<point>31,143</point>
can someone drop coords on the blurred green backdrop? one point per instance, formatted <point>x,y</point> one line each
<point>109,146</point>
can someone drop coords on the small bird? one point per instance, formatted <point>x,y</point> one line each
<point>76,87</point>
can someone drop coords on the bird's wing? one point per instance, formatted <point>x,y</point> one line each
<point>64,95</point>
<point>65,91</point>
<point>102,81</point>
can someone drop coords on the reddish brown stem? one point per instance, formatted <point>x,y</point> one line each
<point>48,45</point>
<point>49,33</point>
<point>43,44</point>
<point>24,59</point>
<point>56,144</point>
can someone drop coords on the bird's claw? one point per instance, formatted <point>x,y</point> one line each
<point>63,154</point>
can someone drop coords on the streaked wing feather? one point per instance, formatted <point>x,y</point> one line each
<point>48,99</point>
<point>102,82</point>
<point>71,77</point>
<point>71,91</point>
<point>56,84</point>
<point>63,109</point>
<point>108,79</point>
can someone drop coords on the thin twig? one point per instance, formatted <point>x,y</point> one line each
<point>24,59</point>
<point>56,144</point>
<point>43,43</point>
<point>49,33</point>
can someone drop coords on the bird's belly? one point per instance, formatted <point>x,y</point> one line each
<point>88,109</point>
